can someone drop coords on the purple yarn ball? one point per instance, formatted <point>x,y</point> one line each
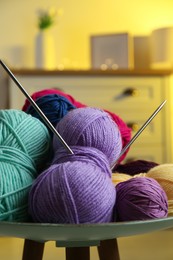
<point>90,127</point>
<point>83,154</point>
<point>140,198</point>
<point>73,191</point>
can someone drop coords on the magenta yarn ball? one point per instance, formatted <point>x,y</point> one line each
<point>140,198</point>
<point>74,191</point>
<point>90,127</point>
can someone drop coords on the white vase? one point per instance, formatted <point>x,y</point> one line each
<point>45,50</point>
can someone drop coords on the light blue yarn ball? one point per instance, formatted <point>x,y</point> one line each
<point>24,147</point>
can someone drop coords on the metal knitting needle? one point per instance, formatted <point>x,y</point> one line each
<point>47,122</point>
<point>139,132</point>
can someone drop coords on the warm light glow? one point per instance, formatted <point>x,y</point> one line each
<point>80,20</point>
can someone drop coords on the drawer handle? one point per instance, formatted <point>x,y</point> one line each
<point>132,92</point>
<point>133,126</point>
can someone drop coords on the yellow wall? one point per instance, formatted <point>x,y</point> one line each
<point>80,20</point>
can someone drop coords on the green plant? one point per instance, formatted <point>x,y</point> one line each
<point>47,18</point>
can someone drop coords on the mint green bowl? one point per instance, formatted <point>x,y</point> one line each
<point>81,234</point>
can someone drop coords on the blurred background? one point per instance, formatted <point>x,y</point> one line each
<point>72,31</point>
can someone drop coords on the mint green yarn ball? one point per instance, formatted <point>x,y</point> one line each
<point>24,147</point>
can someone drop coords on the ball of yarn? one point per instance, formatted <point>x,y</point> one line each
<point>125,133</point>
<point>140,199</point>
<point>90,127</point>
<point>24,147</point>
<point>83,154</point>
<point>45,92</point>
<point>53,106</point>
<point>163,174</point>
<point>135,167</point>
<point>124,129</point>
<point>120,177</point>
<point>73,191</point>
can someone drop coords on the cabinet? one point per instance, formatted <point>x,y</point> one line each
<point>132,95</point>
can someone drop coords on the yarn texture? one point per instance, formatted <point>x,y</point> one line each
<point>90,127</point>
<point>125,134</point>
<point>135,167</point>
<point>77,190</point>
<point>140,198</point>
<point>24,146</point>
<point>163,174</point>
<point>52,91</point>
<point>53,106</point>
<point>78,186</point>
<point>83,154</point>
<point>120,177</point>
<point>124,129</point>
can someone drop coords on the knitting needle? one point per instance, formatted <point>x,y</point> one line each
<point>47,122</point>
<point>139,132</point>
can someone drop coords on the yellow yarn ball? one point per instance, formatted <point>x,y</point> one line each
<point>143,174</point>
<point>163,174</point>
<point>120,177</point>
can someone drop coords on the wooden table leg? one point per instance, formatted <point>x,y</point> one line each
<point>33,250</point>
<point>108,250</point>
<point>77,253</point>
